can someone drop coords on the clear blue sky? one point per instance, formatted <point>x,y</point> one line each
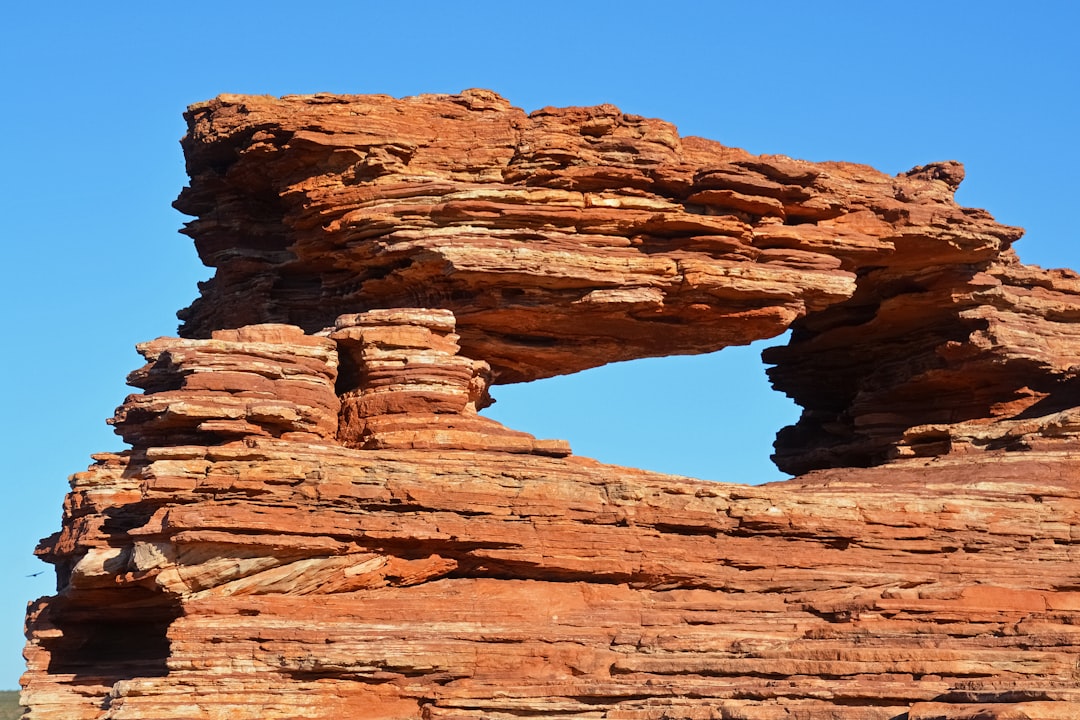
<point>91,116</point>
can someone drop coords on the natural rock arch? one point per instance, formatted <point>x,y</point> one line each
<point>313,520</point>
<point>712,416</point>
<point>573,237</point>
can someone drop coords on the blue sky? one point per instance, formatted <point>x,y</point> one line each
<point>91,116</point>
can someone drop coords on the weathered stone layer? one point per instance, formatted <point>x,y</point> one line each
<point>935,368</point>
<point>405,386</point>
<point>327,581</point>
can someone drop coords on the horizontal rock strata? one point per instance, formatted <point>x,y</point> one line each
<point>562,240</point>
<point>265,381</point>
<point>407,387</point>
<point>569,238</point>
<point>317,581</point>
<point>314,521</point>
<point>935,368</point>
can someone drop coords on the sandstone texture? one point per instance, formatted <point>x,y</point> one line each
<point>314,520</point>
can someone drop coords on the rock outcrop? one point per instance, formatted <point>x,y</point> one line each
<point>314,521</point>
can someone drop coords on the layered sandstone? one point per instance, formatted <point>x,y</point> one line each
<point>407,387</point>
<point>934,366</point>
<point>569,238</point>
<point>314,521</point>
<point>561,240</point>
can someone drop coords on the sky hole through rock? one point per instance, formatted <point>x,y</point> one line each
<point>711,416</point>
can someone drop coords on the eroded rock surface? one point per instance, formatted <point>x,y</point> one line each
<point>561,240</point>
<point>314,521</point>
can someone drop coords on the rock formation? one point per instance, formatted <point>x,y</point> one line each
<point>314,521</point>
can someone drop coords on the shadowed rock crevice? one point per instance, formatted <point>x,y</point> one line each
<point>112,639</point>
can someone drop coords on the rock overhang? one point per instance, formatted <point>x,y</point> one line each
<point>562,240</point>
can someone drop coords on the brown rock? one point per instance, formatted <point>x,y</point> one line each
<point>472,583</point>
<point>313,520</point>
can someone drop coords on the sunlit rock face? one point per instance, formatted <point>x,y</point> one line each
<point>313,520</point>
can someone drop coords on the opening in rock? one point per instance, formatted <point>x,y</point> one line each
<point>709,416</point>
<point>119,639</point>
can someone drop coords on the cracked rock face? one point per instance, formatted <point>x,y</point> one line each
<point>313,520</point>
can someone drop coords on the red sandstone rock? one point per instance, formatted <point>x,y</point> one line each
<point>266,380</point>
<point>561,240</point>
<point>477,584</point>
<point>933,367</point>
<point>318,524</point>
<point>409,389</point>
<point>570,238</point>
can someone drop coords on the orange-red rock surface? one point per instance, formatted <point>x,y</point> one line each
<point>314,521</point>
